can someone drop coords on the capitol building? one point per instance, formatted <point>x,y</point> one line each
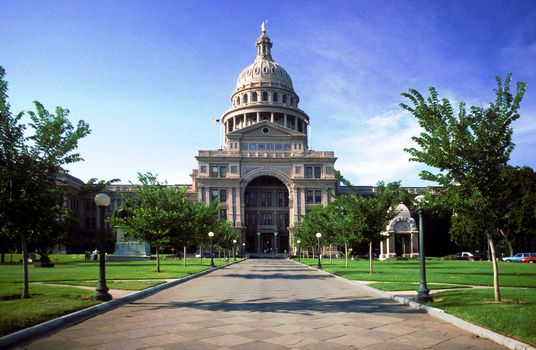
<point>265,177</point>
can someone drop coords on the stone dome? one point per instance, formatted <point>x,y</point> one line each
<point>264,70</point>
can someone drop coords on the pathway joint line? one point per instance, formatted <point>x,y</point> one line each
<point>40,329</point>
<point>500,339</point>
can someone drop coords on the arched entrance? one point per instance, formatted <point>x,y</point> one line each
<point>266,216</point>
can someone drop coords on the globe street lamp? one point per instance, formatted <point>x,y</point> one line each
<point>318,235</point>
<point>102,201</point>
<point>299,251</point>
<point>243,249</point>
<point>210,235</point>
<point>423,293</point>
<point>234,249</point>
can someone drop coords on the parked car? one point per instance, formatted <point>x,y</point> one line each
<point>205,255</point>
<point>467,256</point>
<point>530,259</point>
<point>518,257</point>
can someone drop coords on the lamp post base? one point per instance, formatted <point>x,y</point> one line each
<point>423,295</point>
<point>102,295</point>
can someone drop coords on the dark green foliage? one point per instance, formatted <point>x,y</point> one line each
<point>470,149</point>
<point>31,196</point>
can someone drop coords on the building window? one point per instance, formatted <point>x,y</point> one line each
<point>309,199</point>
<point>252,146</point>
<point>251,199</point>
<point>264,96</point>
<point>254,97</point>
<point>223,171</point>
<point>278,147</point>
<point>318,196</point>
<point>245,98</point>
<point>223,214</point>
<point>313,172</point>
<point>266,218</point>
<point>308,172</point>
<point>276,97</point>
<point>203,169</point>
<point>266,199</point>
<point>270,146</point>
<point>238,100</point>
<point>284,98</point>
<point>234,169</point>
<point>297,170</point>
<point>214,171</point>
<point>223,196</point>
<point>214,195</point>
<point>287,146</point>
<point>261,147</point>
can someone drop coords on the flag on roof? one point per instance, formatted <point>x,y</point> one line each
<point>215,121</point>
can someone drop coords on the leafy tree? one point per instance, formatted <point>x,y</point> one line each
<point>164,216</point>
<point>470,149</point>
<point>517,208</point>
<point>30,196</point>
<point>345,225</point>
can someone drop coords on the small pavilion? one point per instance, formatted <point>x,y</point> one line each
<point>400,239</point>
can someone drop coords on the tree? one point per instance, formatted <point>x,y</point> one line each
<point>517,208</point>
<point>470,149</point>
<point>163,215</point>
<point>30,166</point>
<point>345,225</point>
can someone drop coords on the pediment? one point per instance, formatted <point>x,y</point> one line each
<point>266,129</point>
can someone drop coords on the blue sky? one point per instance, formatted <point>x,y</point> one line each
<point>149,75</point>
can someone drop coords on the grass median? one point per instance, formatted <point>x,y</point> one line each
<point>51,294</point>
<point>513,317</point>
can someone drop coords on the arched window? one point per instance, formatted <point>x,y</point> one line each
<point>264,96</point>
<point>254,97</point>
<point>238,100</point>
<point>276,97</point>
<point>292,101</point>
<point>245,98</point>
<point>284,98</point>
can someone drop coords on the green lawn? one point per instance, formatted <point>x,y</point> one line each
<point>513,317</point>
<point>49,301</point>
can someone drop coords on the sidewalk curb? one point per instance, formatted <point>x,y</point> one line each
<point>13,339</point>
<point>438,313</point>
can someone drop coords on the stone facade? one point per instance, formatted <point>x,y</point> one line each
<point>265,176</point>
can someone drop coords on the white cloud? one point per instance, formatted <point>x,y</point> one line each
<point>377,151</point>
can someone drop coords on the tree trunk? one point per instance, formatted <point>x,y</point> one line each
<point>330,260</point>
<point>313,253</point>
<point>157,259</point>
<point>370,257</point>
<point>346,255</point>
<point>495,270</point>
<point>508,243</point>
<point>184,256</point>
<point>25,284</point>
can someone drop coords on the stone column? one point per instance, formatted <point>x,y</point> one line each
<point>414,239</point>
<point>272,117</point>
<point>276,243</point>
<point>302,201</point>
<point>258,117</point>
<point>259,243</point>
<point>285,120</point>
<point>239,207</point>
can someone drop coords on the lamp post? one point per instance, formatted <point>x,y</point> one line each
<point>276,245</point>
<point>299,251</point>
<point>210,235</point>
<point>318,235</point>
<point>234,249</point>
<point>102,201</point>
<point>243,249</point>
<point>423,293</point>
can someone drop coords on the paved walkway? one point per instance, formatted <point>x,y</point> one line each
<point>263,304</point>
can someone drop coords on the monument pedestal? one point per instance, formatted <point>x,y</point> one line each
<point>129,250</point>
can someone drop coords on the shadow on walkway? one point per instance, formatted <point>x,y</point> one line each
<point>296,306</point>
